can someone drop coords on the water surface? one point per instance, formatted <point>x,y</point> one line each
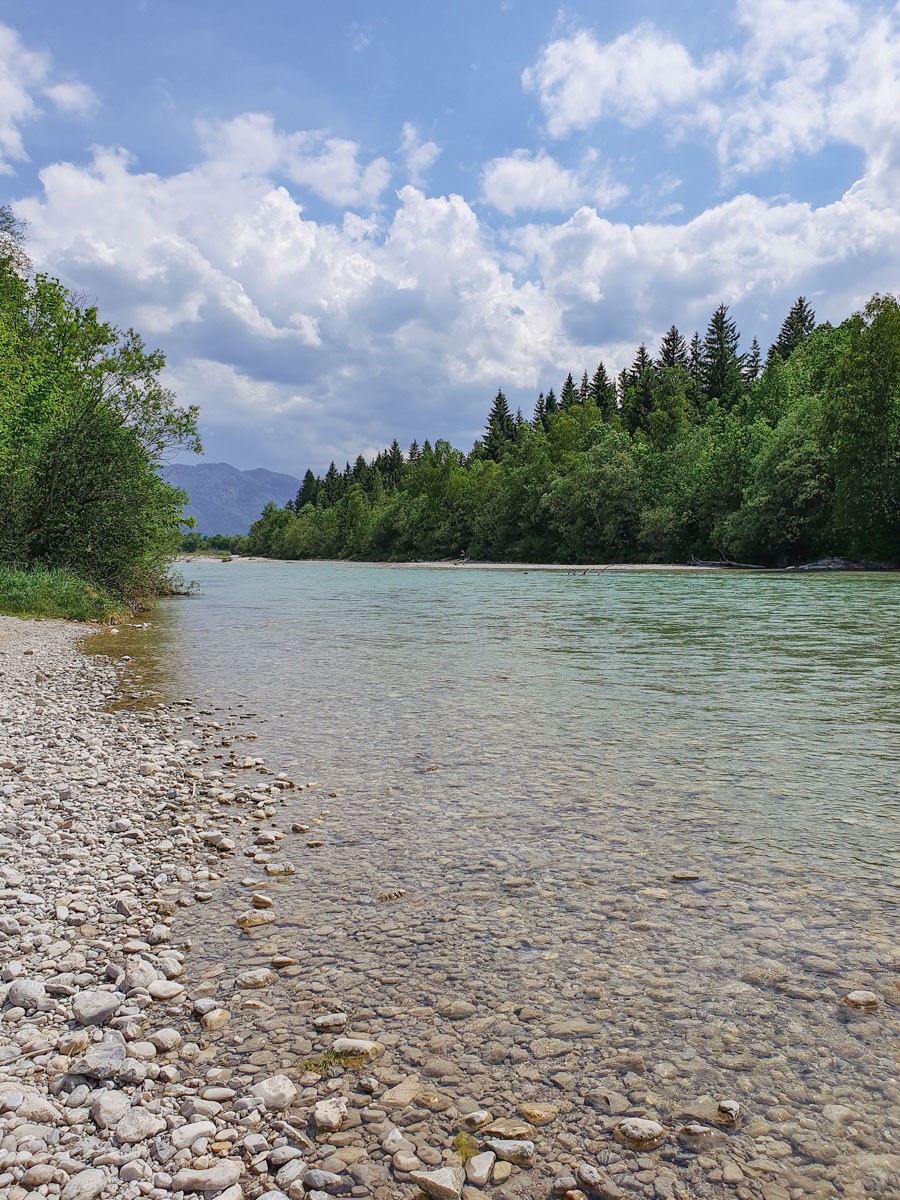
<point>530,756</point>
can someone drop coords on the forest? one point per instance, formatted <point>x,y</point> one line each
<point>86,425</point>
<point>700,451</point>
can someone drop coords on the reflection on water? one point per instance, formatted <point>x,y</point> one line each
<point>531,756</point>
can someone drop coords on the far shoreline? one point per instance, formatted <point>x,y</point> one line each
<point>824,567</point>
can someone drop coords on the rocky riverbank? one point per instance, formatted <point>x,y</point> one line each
<point>118,1080</point>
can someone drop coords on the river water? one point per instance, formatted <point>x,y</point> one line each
<point>529,757</point>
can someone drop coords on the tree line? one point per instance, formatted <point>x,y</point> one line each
<point>85,427</point>
<point>700,450</point>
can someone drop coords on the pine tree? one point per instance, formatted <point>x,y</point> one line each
<point>519,419</point>
<point>796,327</point>
<point>500,428</point>
<point>673,351</point>
<point>551,402</point>
<point>540,412</point>
<point>413,454</point>
<point>568,397</point>
<point>309,491</point>
<point>603,393</point>
<point>752,363</point>
<point>720,363</point>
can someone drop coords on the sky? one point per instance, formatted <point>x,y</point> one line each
<point>345,222</point>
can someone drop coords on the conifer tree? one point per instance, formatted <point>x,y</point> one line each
<point>552,404</point>
<point>309,491</point>
<point>393,464</point>
<point>637,401</point>
<point>568,397</point>
<point>540,412</point>
<point>796,327</point>
<point>695,355</point>
<point>673,351</point>
<point>519,419</point>
<point>413,454</point>
<point>584,391</point>
<point>752,363</point>
<point>720,362</point>
<point>332,486</point>
<point>603,393</point>
<point>500,428</point>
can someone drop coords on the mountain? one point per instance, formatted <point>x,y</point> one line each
<point>226,500</point>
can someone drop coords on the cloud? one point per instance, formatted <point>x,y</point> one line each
<point>636,77</point>
<point>536,182</point>
<point>803,74</point>
<point>25,77</point>
<point>72,97</point>
<point>419,157</point>
<point>329,167</point>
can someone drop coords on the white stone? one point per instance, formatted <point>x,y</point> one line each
<point>444,1184</point>
<point>212,1179</point>
<point>95,1007</point>
<point>186,1135</point>
<point>479,1167</point>
<point>109,1108</point>
<point>328,1115</point>
<point>277,1092</point>
<point>138,1125</point>
<point>85,1185</point>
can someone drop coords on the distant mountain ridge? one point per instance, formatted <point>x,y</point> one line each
<point>226,500</point>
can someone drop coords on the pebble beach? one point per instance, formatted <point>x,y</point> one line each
<point>117,1075</point>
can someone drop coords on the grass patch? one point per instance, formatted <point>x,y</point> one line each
<point>329,1063</point>
<point>56,594</point>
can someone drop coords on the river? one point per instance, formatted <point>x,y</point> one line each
<point>521,761</point>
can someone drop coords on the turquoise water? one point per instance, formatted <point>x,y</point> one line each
<point>742,710</point>
<point>528,757</point>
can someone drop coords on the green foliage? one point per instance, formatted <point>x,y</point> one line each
<point>55,594</point>
<point>85,424</point>
<point>698,454</point>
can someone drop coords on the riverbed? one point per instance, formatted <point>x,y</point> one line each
<point>615,843</point>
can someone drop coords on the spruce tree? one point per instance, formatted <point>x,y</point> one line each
<point>584,392</point>
<point>500,428</point>
<point>413,454</point>
<point>796,327</point>
<point>752,363</point>
<point>309,491</point>
<point>551,402</point>
<point>603,393</point>
<point>637,401</point>
<point>393,467</point>
<point>540,412</point>
<point>695,356</point>
<point>673,351</point>
<point>568,397</point>
<point>332,486</point>
<point>720,363</point>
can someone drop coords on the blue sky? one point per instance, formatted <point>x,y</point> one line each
<point>345,222</point>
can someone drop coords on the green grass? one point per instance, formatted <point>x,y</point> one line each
<point>55,594</point>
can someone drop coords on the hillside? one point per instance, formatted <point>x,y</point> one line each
<point>226,500</point>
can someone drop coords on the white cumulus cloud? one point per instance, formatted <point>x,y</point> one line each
<point>523,181</point>
<point>639,75</point>
<point>26,77</point>
<point>418,156</point>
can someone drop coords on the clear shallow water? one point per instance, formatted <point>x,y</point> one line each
<point>530,756</point>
